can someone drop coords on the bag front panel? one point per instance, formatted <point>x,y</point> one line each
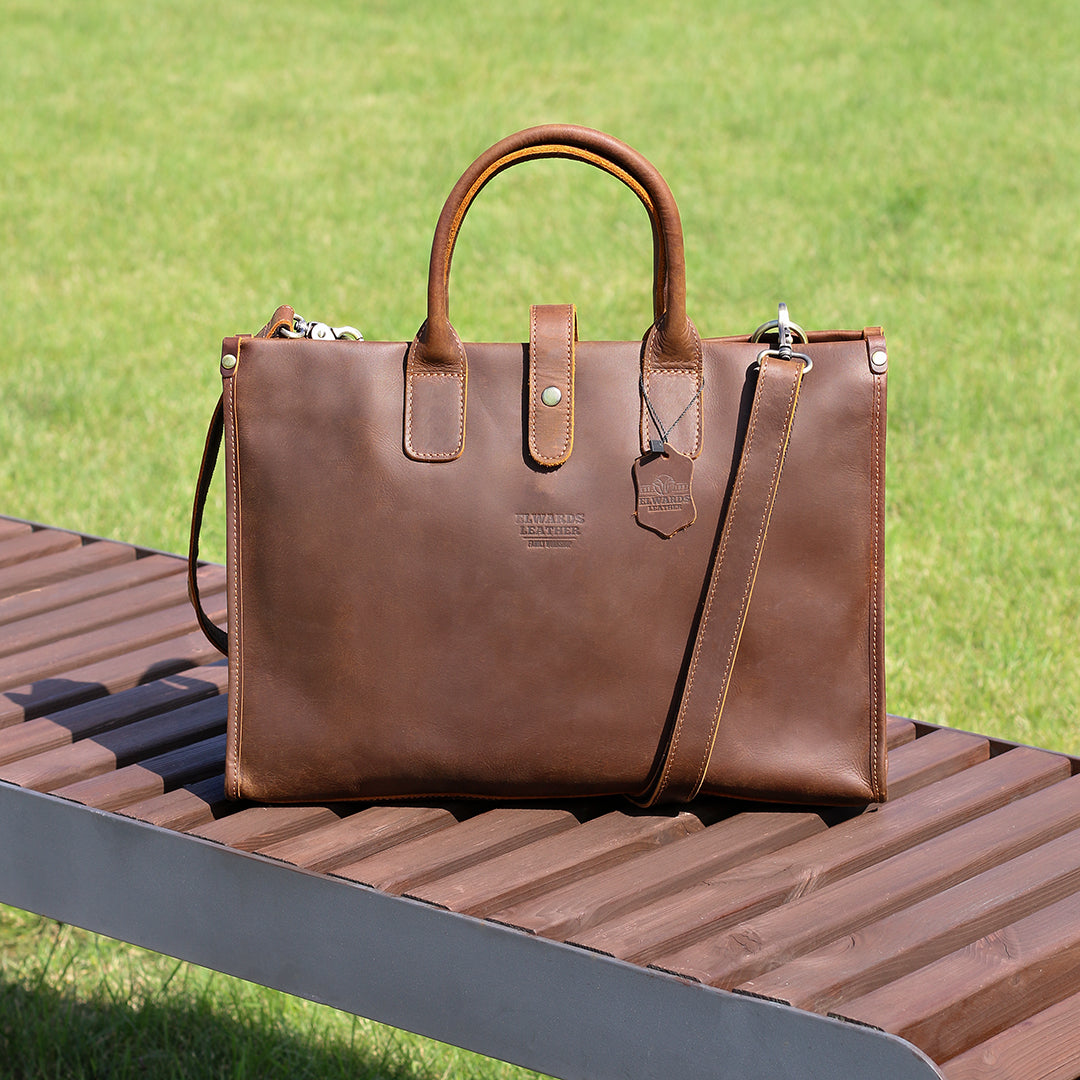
<point>485,626</point>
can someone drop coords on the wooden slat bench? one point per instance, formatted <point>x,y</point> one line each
<point>936,935</point>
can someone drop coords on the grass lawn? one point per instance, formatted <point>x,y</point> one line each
<point>170,172</point>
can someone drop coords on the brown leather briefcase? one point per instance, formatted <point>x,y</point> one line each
<point>554,568</point>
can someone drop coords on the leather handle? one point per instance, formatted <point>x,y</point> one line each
<point>594,148</point>
<point>436,366</point>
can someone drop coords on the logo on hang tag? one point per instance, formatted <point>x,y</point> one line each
<point>665,501</point>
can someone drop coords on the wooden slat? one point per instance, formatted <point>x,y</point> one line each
<point>39,574</point>
<point>121,636</point>
<point>36,631</point>
<point>114,673</point>
<point>117,747</point>
<point>868,958</point>
<point>932,758</point>
<point>413,864</point>
<point>755,946</point>
<point>972,994</point>
<point>1043,1047</point>
<point>571,909</point>
<point>9,527</point>
<point>36,545</point>
<point>899,731</point>
<point>104,713</point>
<point>553,861</point>
<point>360,836</point>
<point>747,890</point>
<point>182,808</point>
<point>28,603</point>
<point>135,783</point>
<point>258,826</point>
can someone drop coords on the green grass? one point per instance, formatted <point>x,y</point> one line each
<point>78,1006</point>
<point>170,172</point>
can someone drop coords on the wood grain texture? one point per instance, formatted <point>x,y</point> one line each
<point>118,635</point>
<point>735,895</point>
<point>980,990</point>
<point>35,545</point>
<point>36,631</point>
<point>135,783</point>
<point>552,861</point>
<point>184,807</point>
<point>1043,1047</point>
<point>573,908</point>
<point>23,586</point>
<point>758,945</point>
<point>932,758</point>
<point>117,747</point>
<point>102,714</point>
<point>416,862</point>
<point>111,675</point>
<point>888,948</point>
<point>359,836</point>
<point>257,826</point>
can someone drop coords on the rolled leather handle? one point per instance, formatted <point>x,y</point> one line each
<point>438,345</point>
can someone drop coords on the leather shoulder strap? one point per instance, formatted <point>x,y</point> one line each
<point>684,760</point>
<point>216,636</point>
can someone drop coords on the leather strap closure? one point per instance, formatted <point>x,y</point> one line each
<point>685,757</point>
<point>552,347</point>
<point>436,368</point>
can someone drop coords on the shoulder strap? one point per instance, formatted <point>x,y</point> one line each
<point>217,637</point>
<point>282,320</point>
<point>684,759</point>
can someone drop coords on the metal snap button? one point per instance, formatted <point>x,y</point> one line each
<point>551,396</point>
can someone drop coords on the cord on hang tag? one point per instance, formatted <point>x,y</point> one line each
<point>663,478</point>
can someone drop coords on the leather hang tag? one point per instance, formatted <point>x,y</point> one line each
<point>665,502</point>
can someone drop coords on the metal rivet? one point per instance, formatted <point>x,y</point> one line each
<point>879,360</point>
<point>228,361</point>
<point>551,396</point>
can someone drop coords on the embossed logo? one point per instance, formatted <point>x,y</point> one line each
<point>664,495</point>
<point>550,531</point>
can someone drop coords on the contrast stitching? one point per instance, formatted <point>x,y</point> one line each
<point>531,153</point>
<point>714,580</point>
<point>874,643</point>
<point>747,592</point>
<point>431,454</point>
<point>237,695</point>
<point>778,464</point>
<point>568,388</point>
<point>568,385</point>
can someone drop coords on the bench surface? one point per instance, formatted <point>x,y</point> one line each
<point>938,934</point>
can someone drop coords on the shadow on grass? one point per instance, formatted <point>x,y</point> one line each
<point>48,1032</point>
<point>79,1006</point>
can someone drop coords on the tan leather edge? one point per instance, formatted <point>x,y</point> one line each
<point>235,617</point>
<point>878,763</point>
